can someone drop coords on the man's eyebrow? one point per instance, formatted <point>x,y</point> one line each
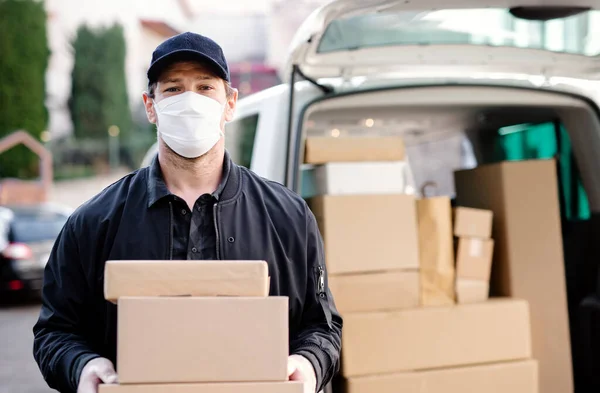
<point>178,80</point>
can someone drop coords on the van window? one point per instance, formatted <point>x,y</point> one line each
<point>544,141</point>
<point>489,26</point>
<point>239,139</point>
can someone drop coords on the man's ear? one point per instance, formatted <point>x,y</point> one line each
<point>149,106</point>
<point>230,105</point>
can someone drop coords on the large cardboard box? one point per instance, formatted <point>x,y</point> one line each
<point>528,255</point>
<point>474,258</point>
<point>436,246</point>
<point>176,340</point>
<point>185,278</point>
<point>368,233</point>
<point>321,150</point>
<point>435,337</point>
<point>509,377</point>
<point>240,387</point>
<point>355,178</point>
<point>375,291</point>
<point>469,222</point>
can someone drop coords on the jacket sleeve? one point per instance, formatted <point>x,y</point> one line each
<point>320,340</point>
<point>59,346</point>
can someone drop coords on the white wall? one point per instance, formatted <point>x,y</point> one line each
<point>65,18</point>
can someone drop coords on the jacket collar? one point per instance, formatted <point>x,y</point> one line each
<point>228,188</point>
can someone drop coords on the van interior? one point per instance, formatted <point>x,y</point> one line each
<point>447,128</point>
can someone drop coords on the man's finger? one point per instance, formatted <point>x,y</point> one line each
<point>291,368</point>
<point>108,375</point>
<point>88,386</point>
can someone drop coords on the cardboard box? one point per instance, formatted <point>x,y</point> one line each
<point>240,387</point>
<point>435,337</point>
<point>436,246</point>
<point>513,377</point>
<point>528,253</point>
<point>472,291</point>
<point>355,178</point>
<point>474,258</point>
<point>321,150</point>
<point>375,291</point>
<point>368,233</point>
<point>185,278</point>
<point>178,340</point>
<point>469,222</point>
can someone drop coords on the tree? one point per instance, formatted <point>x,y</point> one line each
<point>24,49</point>
<point>99,87</point>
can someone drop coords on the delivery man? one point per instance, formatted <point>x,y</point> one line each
<point>192,202</point>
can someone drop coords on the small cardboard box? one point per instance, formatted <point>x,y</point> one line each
<point>469,222</point>
<point>474,258</point>
<point>185,278</point>
<point>472,291</point>
<point>240,387</point>
<point>513,377</point>
<point>321,150</point>
<point>202,339</point>
<point>355,178</point>
<point>435,337</point>
<point>368,233</point>
<point>375,291</point>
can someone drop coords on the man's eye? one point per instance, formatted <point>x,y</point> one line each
<point>171,90</point>
<point>206,87</point>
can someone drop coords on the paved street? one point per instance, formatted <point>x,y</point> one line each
<point>18,371</point>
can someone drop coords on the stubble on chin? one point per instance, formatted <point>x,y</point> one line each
<point>185,163</point>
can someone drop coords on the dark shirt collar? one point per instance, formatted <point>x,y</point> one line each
<point>157,188</point>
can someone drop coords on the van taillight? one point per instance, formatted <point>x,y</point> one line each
<point>17,251</point>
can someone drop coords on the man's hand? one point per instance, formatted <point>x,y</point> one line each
<point>301,369</point>
<point>96,371</point>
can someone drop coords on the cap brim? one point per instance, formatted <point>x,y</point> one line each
<point>184,55</point>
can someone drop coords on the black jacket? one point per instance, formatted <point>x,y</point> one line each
<point>255,219</point>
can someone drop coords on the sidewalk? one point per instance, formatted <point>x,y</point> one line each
<point>73,193</point>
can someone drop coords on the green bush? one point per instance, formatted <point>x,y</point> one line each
<point>24,49</point>
<point>99,87</point>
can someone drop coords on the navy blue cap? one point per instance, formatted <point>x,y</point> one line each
<point>188,47</point>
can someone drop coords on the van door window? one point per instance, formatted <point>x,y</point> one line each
<point>239,139</point>
<point>544,141</point>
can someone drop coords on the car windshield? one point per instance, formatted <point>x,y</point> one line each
<point>36,227</point>
<point>578,34</point>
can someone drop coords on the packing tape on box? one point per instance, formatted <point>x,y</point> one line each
<point>476,248</point>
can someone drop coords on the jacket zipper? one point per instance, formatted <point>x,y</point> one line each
<point>216,231</point>
<point>322,295</point>
<point>321,282</point>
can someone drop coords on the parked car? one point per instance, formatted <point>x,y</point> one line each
<point>464,83</point>
<point>27,237</point>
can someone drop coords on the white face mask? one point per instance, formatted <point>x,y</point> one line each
<point>189,123</point>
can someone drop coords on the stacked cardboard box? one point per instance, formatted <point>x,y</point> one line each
<point>390,341</point>
<point>198,326</point>
<point>528,253</point>
<point>367,221</point>
<point>473,229</point>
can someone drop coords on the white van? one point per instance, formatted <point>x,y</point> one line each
<point>458,80</point>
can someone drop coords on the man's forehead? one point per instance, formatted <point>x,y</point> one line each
<point>191,68</point>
